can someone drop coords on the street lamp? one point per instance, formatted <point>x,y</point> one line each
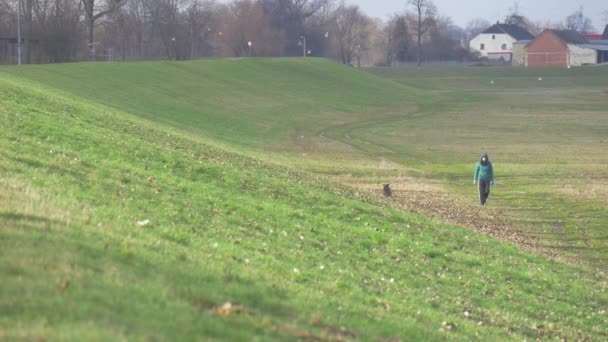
<point>302,42</point>
<point>249,43</point>
<point>173,40</point>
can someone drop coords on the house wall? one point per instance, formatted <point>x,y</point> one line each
<point>519,54</point>
<point>493,47</point>
<point>580,56</point>
<point>547,50</point>
<point>602,56</point>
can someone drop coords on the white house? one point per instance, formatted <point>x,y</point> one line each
<point>496,43</point>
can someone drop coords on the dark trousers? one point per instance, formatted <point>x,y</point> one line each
<point>484,191</point>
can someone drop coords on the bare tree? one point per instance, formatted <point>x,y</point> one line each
<point>605,18</point>
<point>93,11</point>
<point>139,12</point>
<point>27,24</point>
<point>375,53</point>
<point>8,21</point>
<point>152,29</point>
<point>389,43</point>
<point>539,26</point>
<point>445,43</point>
<point>119,32</point>
<point>318,31</point>
<point>516,18</point>
<point>351,34</point>
<point>424,14</point>
<point>168,27</point>
<point>292,17</point>
<point>578,22</point>
<point>27,8</point>
<point>397,36</point>
<point>475,27</point>
<point>58,30</point>
<point>198,18</point>
<point>50,30</point>
<point>245,21</point>
<point>471,30</point>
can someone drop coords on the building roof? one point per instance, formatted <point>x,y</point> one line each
<point>512,30</point>
<point>592,36</point>
<point>598,47</point>
<point>570,36</point>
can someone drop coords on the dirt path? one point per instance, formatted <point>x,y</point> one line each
<point>434,201</point>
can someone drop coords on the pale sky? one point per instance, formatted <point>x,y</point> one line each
<point>461,11</point>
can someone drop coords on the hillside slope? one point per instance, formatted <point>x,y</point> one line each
<point>119,227</point>
<point>244,102</point>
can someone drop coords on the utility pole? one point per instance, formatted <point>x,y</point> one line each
<point>19,32</point>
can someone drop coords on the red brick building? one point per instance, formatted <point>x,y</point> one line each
<point>561,48</point>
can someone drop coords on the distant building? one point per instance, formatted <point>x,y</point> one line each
<point>601,48</point>
<point>592,36</point>
<point>496,42</point>
<point>8,50</point>
<point>519,53</point>
<point>561,48</point>
<point>605,35</point>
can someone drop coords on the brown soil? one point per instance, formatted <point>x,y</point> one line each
<point>434,202</point>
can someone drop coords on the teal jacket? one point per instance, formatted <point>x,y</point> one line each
<point>484,171</point>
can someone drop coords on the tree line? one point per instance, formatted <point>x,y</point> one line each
<point>56,31</point>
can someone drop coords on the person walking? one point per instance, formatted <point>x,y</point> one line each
<point>484,174</point>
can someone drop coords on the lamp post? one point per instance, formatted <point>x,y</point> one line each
<point>174,43</point>
<point>249,43</point>
<point>19,32</point>
<point>219,43</point>
<point>303,43</point>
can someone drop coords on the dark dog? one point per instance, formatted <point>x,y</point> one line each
<point>387,190</point>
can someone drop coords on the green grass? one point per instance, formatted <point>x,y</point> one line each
<point>297,255</point>
<point>548,140</point>
<point>250,102</point>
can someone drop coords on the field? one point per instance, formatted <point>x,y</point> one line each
<point>139,199</point>
<point>548,139</point>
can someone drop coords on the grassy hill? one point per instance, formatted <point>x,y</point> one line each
<point>123,219</point>
<point>245,102</point>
